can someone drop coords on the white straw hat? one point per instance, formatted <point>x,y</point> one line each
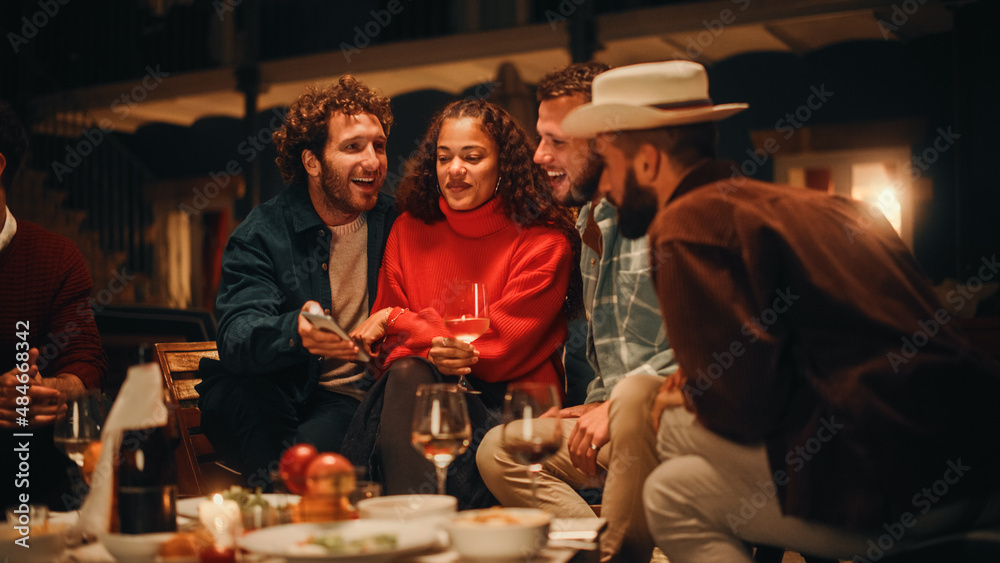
<point>647,96</point>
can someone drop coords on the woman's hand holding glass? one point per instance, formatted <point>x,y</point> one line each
<point>466,315</point>
<point>452,356</point>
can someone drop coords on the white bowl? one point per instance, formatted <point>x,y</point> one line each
<point>407,507</point>
<point>499,533</point>
<point>134,548</point>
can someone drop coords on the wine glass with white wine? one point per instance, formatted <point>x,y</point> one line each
<point>78,430</point>
<point>441,428</point>
<point>466,315</point>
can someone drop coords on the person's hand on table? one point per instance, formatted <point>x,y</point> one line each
<point>670,395</point>
<point>588,436</point>
<point>323,342</point>
<point>42,402</point>
<point>451,356</point>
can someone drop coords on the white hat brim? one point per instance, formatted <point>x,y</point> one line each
<point>591,119</point>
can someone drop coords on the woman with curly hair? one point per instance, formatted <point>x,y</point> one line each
<point>475,208</point>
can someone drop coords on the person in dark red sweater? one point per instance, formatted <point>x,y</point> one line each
<point>475,208</point>
<point>49,341</point>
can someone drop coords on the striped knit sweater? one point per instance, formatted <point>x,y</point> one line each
<point>45,283</point>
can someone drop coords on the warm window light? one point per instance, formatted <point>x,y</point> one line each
<point>873,185</point>
<point>891,208</point>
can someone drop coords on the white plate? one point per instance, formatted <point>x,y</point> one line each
<point>281,541</point>
<point>188,507</point>
<point>134,548</point>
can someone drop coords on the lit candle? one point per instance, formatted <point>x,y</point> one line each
<point>436,417</point>
<point>222,518</point>
<point>258,516</point>
<point>526,427</point>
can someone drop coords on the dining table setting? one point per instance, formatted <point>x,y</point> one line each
<point>569,539</point>
<point>322,510</point>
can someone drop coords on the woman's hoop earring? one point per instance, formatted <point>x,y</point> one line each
<point>498,186</point>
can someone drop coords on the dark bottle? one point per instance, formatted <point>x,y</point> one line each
<point>147,480</point>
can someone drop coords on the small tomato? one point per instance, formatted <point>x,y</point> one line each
<point>330,473</point>
<point>293,465</point>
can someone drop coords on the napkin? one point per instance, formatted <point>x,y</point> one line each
<point>139,405</point>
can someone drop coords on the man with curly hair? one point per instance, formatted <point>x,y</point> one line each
<point>316,247</point>
<point>626,346</point>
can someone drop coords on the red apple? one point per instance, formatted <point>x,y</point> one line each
<point>293,465</point>
<point>329,473</point>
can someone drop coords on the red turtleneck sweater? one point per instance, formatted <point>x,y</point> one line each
<point>526,272</point>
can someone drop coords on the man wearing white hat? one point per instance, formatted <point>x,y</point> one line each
<point>627,348</point>
<point>831,405</point>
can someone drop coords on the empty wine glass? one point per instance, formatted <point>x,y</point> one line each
<point>532,431</point>
<point>466,315</point>
<point>441,429</point>
<point>77,431</point>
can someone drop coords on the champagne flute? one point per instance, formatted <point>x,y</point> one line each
<point>532,431</point>
<point>79,428</point>
<point>467,317</point>
<point>441,428</point>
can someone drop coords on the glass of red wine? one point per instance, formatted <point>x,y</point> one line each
<point>466,315</point>
<point>532,429</point>
<point>441,430</point>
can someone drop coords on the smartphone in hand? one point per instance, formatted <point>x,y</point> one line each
<point>326,322</point>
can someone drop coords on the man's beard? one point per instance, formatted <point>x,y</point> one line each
<point>337,193</point>
<point>638,208</point>
<point>582,190</point>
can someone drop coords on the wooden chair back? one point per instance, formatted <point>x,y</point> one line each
<point>197,463</point>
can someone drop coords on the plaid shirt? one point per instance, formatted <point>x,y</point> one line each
<point>625,331</point>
